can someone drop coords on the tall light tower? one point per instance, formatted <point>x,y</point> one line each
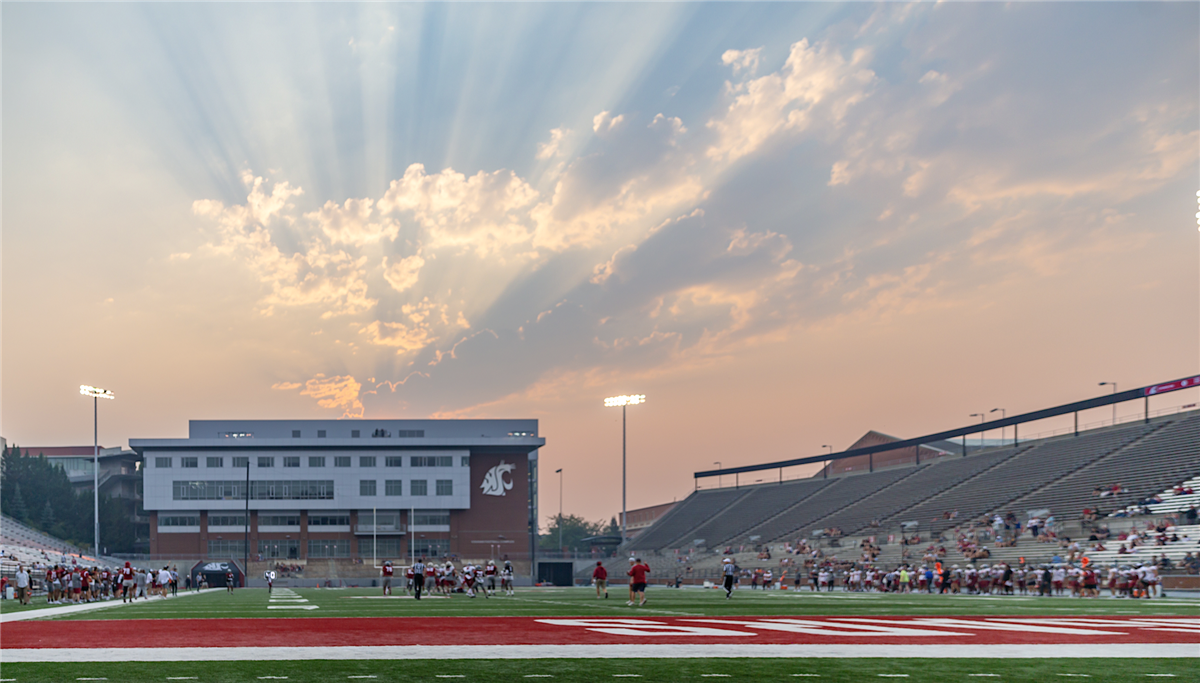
<point>96,393</point>
<point>623,402</point>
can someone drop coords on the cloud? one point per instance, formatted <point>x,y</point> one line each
<point>483,213</point>
<point>742,60</point>
<point>403,274</point>
<point>351,223</point>
<point>816,85</point>
<point>340,392</point>
<point>286,386</point>
<point>551,149</point>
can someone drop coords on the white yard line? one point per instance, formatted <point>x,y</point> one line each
<point>618,651</point>
<point>87,607</point>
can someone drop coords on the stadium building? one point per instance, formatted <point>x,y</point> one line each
<point>333,489</point>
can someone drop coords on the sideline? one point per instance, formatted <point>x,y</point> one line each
<point>617,651</point>
<point>62,610</point>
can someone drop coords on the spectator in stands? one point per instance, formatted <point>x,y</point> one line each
<point>1191,563</point>
<point>1191,515</point>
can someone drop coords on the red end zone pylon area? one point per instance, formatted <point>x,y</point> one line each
<point>505,637</point>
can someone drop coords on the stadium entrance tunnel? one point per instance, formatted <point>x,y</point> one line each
<point>214,572</point>
<point>556,573</point>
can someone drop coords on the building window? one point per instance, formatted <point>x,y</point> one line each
<point>320,433</point>
<point>259,490</point>
<point>189,462</point>
<point>214,462</point>
<point>162,462</point>
<point>328,520</point>
<point>466,461</point>
<point>354,434</point>
<point>291,461</point>
<point>381,434</point>
<point>366,461</point>
<point>341,461</point>
<point>366,487</point>
<point>266,461</point>
<point>432,461</point>
<point>227,520</point>
<point>431,518</point>
<point>411,433</point>
<point>394,461</point>
<point>279,520</point>
<point>237,435</point>
<point>383,548</point>
<point>295,433</point>
<point>320,549</point>
<point>241,462</point>
<point>393,487</point>
<point>316,461</point>
<point>179,520</point>
<point>277,549</point>
<point>430,547</point>
<point>223,549</point>
<point>419,487</point>
<point>445,487</point>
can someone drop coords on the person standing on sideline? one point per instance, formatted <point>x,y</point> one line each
<point>229,581</point>
<point>600,577</point>
<point>164,581</point>
<point>174,580</point>
<point>728,570</point>
<point>418,572</point>
<point>270,577</point>
<point>22,585</point>
<point>638,573</point>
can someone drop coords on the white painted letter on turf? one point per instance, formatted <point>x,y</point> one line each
<point>642,627</point>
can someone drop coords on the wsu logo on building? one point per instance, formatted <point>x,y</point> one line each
<point>494,483</point>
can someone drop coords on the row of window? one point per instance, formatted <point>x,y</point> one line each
<point>259,490</point>
<point>354,434</point>
<point>191,462</point>
<point>422,518</point>
<point>416,487</point>
<point>290,548</point>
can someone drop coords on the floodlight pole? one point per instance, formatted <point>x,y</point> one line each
<point>246,539</point>
<point>96,472</point>
<point>623,512</point>
<point>96,393</point>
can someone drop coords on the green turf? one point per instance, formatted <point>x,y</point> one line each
<point>365,602</point>
<point>872,669</point>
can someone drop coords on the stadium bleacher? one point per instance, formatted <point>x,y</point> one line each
<point>1057,474</point>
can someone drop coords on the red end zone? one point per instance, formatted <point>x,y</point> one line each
<point>492,631</point>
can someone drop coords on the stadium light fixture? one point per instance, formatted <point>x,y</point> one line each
<point>1114,386</point>
<point>96,393</point>
<point>622,402</point>
<point>825,465</point>
<point>1003,414</point>
<point>982,417</point>
<point>718,464</point>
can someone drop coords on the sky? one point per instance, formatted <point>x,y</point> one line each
<point>785,224</point>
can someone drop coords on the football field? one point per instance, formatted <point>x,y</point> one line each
<point>567,634</point>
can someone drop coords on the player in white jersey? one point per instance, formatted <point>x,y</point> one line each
<point>1150,578</point>
<point>506,579</point>
<point>468,580</point>
<point>490,572</point>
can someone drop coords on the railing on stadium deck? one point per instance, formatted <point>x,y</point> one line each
<point>1066,409</point>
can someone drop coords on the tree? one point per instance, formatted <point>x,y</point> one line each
<point>17,508</point>
<point>47,516</point>
<point>574,530</point>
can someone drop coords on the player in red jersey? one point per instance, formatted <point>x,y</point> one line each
<point>127,581</point>
<point>490,572</point>
<point>408,579</point>
<point>386,572</point>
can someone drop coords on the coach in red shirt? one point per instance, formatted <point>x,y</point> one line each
<point>638,571</point>
<point>600,578</point>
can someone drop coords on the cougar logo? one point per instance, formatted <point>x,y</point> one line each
<point>494,483</point>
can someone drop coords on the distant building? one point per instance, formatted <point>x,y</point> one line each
<point>120,474</point>
<point>640,519</point>
<point>327,488</point>
<point>885,459</point>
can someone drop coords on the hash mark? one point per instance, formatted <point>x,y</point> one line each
<point>1077,675</point>
<point>370,676</point>
<point>714,675</point>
